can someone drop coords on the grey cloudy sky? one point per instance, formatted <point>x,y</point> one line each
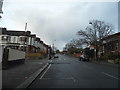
<point>57,21</point>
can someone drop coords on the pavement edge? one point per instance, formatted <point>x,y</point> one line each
<point>27,82</point>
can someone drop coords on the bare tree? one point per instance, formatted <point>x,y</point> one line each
<point>73,46</point>
<point>94,32</point>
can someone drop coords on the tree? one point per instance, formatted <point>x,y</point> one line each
<point>57,51</point>
<point>94,32</point>
<point>73,47</point>
<point>72,44</point>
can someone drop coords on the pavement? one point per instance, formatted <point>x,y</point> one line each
<point>106,63</point>
<point>22,75</point>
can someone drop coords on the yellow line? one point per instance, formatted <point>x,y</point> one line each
<point>45,72</point>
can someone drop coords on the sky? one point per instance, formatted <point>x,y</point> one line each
<point>57,21</point>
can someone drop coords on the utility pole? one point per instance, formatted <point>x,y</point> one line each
<point>25,26</point>
<point>53,47</point>
<point>25,36</point>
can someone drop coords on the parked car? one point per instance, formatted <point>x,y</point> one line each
<point>81,58</point>
<point>84,58</point>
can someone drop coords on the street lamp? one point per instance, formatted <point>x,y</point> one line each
<point>53,46</point>
<point>95,42</point>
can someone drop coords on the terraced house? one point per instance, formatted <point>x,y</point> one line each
<point>22,41</point>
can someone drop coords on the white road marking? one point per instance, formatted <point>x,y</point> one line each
<point>68,78</point>
<point>73,79</point>
<point>45,72</point>
<point>110,75</point>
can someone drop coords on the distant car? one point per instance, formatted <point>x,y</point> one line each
<point>56,56</point>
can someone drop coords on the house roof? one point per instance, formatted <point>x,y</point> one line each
<point>14,32</point>
<point>37,39</point>
<point>18,33</point>
<point>33,35</point>
<point>112,36</point>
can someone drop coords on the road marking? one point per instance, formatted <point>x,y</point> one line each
<point>45,72</point>
<point>68,78</point>
<point>73,79</point>
<point>110,75</point>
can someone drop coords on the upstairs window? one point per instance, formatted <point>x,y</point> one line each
<point>6,38</point>
<point>23,39</point>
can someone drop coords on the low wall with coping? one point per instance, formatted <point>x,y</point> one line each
<point>15,55</point>
<point>12,56</point>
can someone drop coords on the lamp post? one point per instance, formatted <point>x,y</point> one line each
<point>95,42</point>
<point>54,46</point>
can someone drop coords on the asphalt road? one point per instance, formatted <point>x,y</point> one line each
<point>69,72</point>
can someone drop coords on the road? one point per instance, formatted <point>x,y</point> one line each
<point>69,72</point>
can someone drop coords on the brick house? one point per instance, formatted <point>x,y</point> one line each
<point>110,44</point>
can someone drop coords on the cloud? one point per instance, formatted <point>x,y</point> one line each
<point>57,21</point>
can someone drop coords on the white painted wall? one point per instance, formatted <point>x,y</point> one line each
<point>41,46</point>
<point>33,41</point>
<point>0,39</point>
<point>1,53</point>
<point>14,39</point>
<point>21,42</point>
<point>29,40</point>
<point>36,44</point>
<point>45,49</point>
<point>15,54</point>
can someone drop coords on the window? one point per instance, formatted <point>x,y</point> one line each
<point>116,46</point>
<point>5,38</point>
<point>24,39</point>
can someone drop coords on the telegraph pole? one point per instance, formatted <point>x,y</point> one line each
<point>25,26</point>
<point>25,36</point>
